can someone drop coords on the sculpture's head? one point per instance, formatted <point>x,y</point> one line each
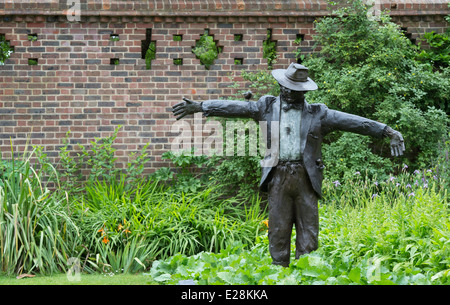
<point>291,96</point>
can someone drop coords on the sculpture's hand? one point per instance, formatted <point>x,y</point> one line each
<point>397,143</point>
<point>182,109</point>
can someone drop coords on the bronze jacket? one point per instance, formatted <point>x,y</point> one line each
<point>317,120</point>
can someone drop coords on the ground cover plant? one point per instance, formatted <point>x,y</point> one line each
<point>400,235</point>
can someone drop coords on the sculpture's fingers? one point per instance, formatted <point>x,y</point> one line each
<point>178,111</point>
<point>188,100</point>
<point>178,105</point>
<point>181,116</point>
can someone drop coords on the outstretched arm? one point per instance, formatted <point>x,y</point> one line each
<point>337,120</point>
<point>222,108</point>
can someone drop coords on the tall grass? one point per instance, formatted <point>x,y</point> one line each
<point>165,223</point>
<point>36,234</point>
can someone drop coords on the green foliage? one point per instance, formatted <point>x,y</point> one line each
<point>438,53</point>
<point>191,172</point>
<point>150,55</point>
<point>114,37</point>
<point>206,49</point>
<point>100,158</point>
<point>369,68</point>
<point>36,233</point>
<point>350,154</point>
<point>5,49</point>
<point>165,222</point>
<point>270,49</point>
<point>238,175</point>
<point>392,238</point>
<point>443,163</point>
<point>69,168</point>
<point>261,83</point>
<point>298,52</point>
<point>32,37</point>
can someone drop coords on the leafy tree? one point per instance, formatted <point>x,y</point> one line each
<point>369,67</point>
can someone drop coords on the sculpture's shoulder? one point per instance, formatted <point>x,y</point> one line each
<point>317,109</point>
<point>265,103</point>
<point>267,99</point>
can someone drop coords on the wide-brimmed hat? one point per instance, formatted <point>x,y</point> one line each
<point>295,78</point>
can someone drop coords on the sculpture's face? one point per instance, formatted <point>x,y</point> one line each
<point>291,96</point>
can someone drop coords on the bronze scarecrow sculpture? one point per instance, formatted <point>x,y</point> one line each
<point>292,169</point>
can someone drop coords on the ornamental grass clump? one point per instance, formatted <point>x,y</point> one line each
<point>36,233</point>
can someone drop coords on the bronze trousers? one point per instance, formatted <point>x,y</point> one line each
<point>292,201</point>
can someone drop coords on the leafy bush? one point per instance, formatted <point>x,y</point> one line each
<point>369,68</point>
<point>191,172</point>
<point>350,154</point>
<point>100,158</point>
<point>270,49</point>
<point>439,49</point>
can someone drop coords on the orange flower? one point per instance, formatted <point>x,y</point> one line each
<point>120,227</point>
<point>105,240</point>
<point>266,222</point>
<point>127,231</point>
<point>102,230</point>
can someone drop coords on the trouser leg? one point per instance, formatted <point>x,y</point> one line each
<point>281,219</point>
<point>292,200</point>
<point>306,221</point>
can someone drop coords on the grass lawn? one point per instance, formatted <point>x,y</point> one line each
<point>86,279</point>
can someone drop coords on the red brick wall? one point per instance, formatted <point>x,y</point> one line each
<point>74,87</point>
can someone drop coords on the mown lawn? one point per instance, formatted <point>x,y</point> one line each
<point>85,279</point>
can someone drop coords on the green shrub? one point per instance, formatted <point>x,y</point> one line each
<point>350,154</point>
<point>100,159</point>
<point>438,53</point>
<point>190,174</point>
<point>369,68</point>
